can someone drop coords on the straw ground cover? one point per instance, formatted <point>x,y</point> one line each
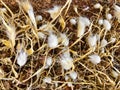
<point>59,45</point>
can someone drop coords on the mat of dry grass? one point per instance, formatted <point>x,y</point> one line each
<point>59,45</point>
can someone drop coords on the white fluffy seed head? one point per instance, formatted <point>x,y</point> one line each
<point>54,11</point>
<point>100,21</point>
<point>66,77</point>
<point>22,58</point>
<point>117,11</point>
<point>29,9</point>
<point>52,41</point>
<point>104,43</point>
<point>95,59</point>
<point>98,37</point>
<point>65,39</point>
<point>82,23</point>
<point>47,80</point>
<point>69,84</point>
<point>41,35</point>
<point>3,10</point>
<point>97,6</point>
<point>73,75</point>
<point>38,18</point>
<point>73,21</point>
<point>26,5</point>
<point>109,16</point>
<point>117,8</point>
<point>81,29</point>
<point>107,25</point>
<point>112,39</point>
<point>48,62</point>
<point>43,27</point>
<point>92,40</point>
<point>102,50</point>
<point>66,61</point>
<point>32,18</point>
<point>66,52</point>
<point>56,84</point>
<point>86,21</point>
<point>86,8</point>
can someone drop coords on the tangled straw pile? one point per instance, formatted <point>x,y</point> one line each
<point>74,48</point>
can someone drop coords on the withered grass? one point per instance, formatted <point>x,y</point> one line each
<point>90,77</point>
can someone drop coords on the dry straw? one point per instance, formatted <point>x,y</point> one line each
<point>63,47</point>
